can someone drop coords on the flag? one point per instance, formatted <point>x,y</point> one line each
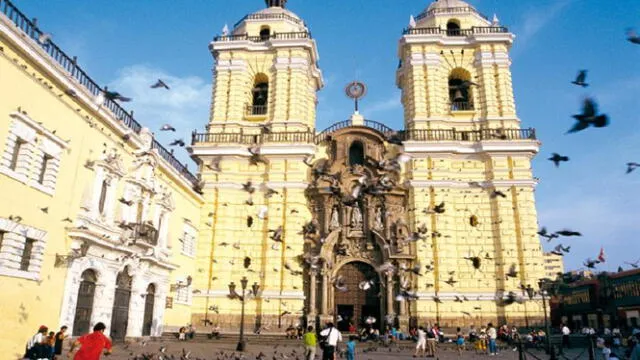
<point>601,257</point>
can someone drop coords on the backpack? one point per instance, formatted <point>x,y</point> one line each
<point>324,340</point>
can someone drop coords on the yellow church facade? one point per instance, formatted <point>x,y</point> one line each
<point>99,222</point>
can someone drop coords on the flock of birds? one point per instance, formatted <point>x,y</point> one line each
<point>590,117</point>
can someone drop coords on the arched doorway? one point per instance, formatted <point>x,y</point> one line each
<point>149,301</point>
<point>84,304</point>
<point>354,305</point>
<point>120,312</point>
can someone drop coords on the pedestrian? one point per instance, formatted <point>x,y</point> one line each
<point>60,336</point>
<point>421,346</point>
<point>492,336</point>
<point>310,342</point>
<point>460,341</point>
<point>36,339</point>
<point>565,336</point>
<point>351,348</point>
<point>331,337</point>
<point>92,345</point>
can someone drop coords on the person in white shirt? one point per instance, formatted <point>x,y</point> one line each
<point>422,342</point>
<point>333,336</point>
<point>565,336</point>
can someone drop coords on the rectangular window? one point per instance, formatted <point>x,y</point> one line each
<point>182,294</point>
<point>15,155</point>
<point>188,244</point>
<point>46,160</point>
<point>26,254</point>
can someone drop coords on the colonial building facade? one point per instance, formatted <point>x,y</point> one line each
<point>433,222</point>
<point>457,179</point>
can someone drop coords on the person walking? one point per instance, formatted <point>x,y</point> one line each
<point>60,336</point>
<point>421,346</point>
<point>351,348</point>
<point>332,336</point>
<point>310,342</point>
<point>492,335</point>
<point>565,336</point>
<point>92,345</point>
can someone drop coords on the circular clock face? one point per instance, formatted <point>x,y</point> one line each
<point>356,90</point>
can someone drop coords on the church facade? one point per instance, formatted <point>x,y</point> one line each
<point>435,222</point>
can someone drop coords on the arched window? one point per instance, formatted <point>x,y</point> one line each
<point>260,95</point>
<point>356,153</point>
<point>265,33</point>
<point>453,28</point>
<point>460,90</point>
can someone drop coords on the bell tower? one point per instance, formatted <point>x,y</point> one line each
<point>454,70</point>
<point>266,74</point>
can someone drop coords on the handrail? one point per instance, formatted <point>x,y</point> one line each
<point>70,65</point>
<point>265,37</point>
<point>268,17</point>
<point>456,32</point>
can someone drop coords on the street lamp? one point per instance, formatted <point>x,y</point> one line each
<point>543,292</point>
<point>234,295</point>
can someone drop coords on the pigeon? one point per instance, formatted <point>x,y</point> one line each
<point>589,117</point>
<point>568,233</point>
<point>44,38</point>
<point>631,166</point>
<point>633,37</point>
<point>557,159</point>
<point>545,234</point>
<point>115,96</point>
<point>160,84</point>
<point>167,127</point>
<point>497,193</point>
<point>177,142</point>
<point>214,164</point>
<point>580,79</point>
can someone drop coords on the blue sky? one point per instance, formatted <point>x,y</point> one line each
<point>123,44</point>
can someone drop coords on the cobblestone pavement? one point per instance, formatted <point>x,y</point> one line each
<point>217,350</point>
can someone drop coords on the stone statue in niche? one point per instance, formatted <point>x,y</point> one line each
<point>335,219</point>
<point>378,223</point>
<point>356,217</point>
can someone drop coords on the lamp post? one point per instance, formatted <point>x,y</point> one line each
<point>234,295</point>
<point>543,293</point>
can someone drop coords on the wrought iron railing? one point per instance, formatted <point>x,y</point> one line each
<point>256,110</point>
<point>265,37</point>
<point>456,32</point>
<point>250,139</point>
<point>462,106</point>
<point>450,10</point>
<point>168,156</point>
<point>471,135</point>
<point>69,64</point>
<point>269,17</point>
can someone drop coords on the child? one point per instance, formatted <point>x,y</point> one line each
<point>351,347</point>
<point>459,340</point>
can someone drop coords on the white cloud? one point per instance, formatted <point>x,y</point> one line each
<point>536,19</point>
<point>185,106</point>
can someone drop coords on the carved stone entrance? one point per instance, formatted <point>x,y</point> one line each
<point>84,305</point>
<point>354,305</point>
<point>120,312</point>
<point>148,310</point>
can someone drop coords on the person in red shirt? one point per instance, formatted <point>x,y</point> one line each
<point>91,345</point>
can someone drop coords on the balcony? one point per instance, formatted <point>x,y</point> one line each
<point>462,106</point>
<point>457,32</point>
<point>263,38</point>
<point>256,110</point>
<point>144,232</point>
<point>305,137</point>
